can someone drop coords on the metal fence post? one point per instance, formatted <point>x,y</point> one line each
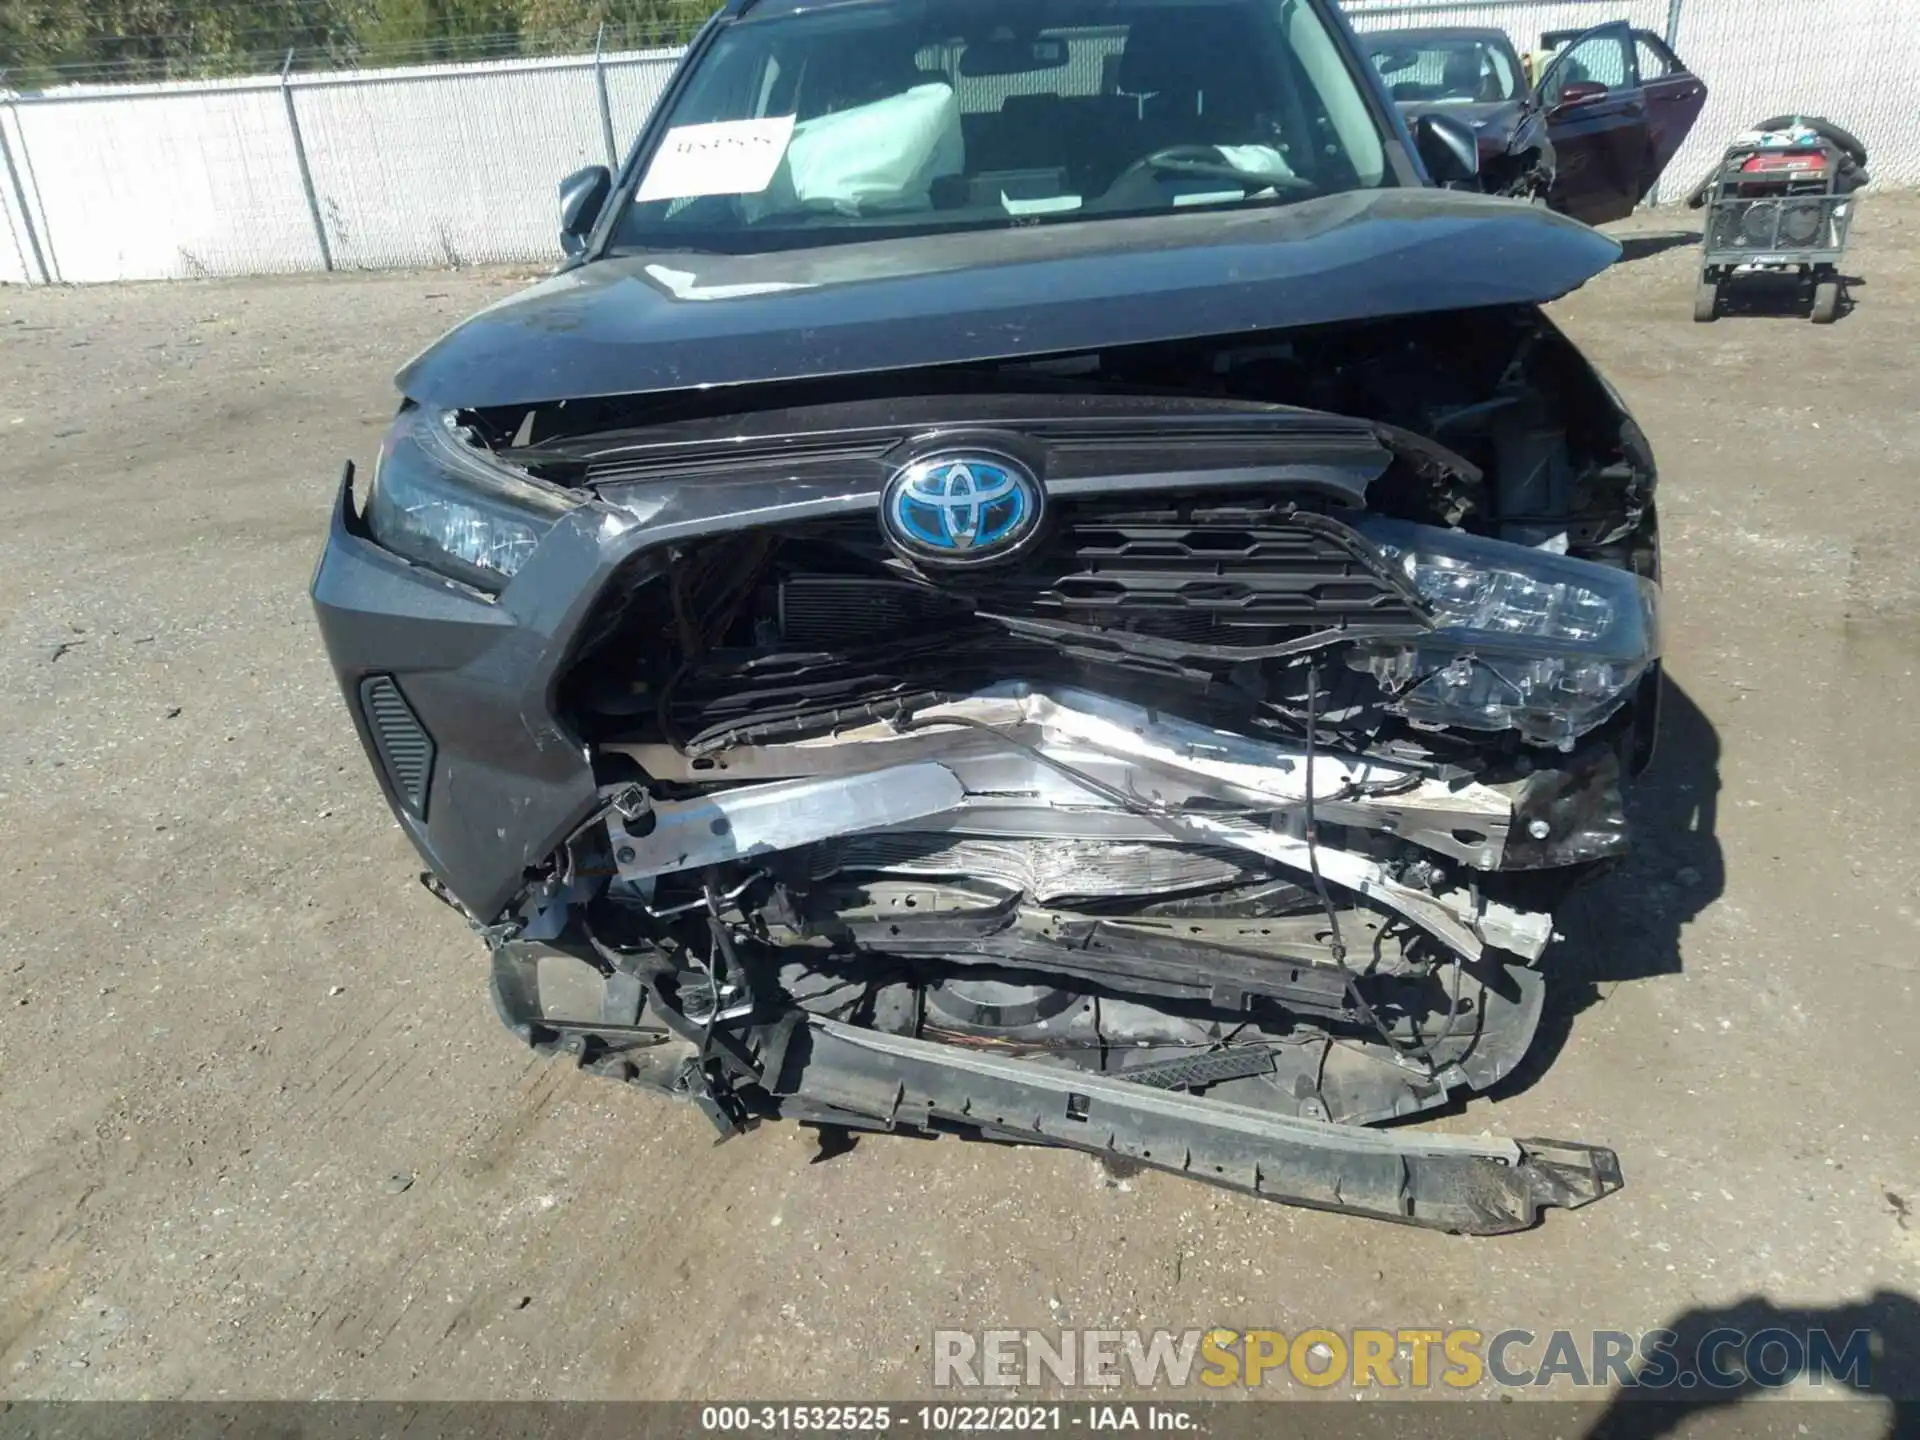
<point>300,158</point>
<point>19,192</point>
<point>606,110</point>
<point>1673,25</point>
<point>1673,44</point>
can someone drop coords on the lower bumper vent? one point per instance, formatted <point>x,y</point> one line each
<point>406,750</point>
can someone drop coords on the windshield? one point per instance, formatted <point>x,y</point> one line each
<point>1444,70</point>
<point>887,117</point>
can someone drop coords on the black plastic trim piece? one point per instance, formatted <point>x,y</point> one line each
<point>1467,1185</point>
<point>406,750</point>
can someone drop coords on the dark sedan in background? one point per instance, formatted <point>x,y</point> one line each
<point>1589,133</point>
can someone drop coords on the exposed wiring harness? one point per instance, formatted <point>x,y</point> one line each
<point>1336,945</point>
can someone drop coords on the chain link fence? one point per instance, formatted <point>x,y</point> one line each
<point>432,165</point>
<point>425,165</point>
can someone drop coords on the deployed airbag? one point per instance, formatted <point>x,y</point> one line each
<point>886,154</point>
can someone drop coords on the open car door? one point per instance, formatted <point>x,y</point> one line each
<point>1675,98</point>
<point>1596,114</point>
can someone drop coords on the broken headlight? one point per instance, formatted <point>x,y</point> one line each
<point>440,501</point>
<point>1528,640</point>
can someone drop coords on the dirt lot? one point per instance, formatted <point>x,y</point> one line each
<point>262,1135</point>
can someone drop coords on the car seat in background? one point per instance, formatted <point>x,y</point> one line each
<point>1036,129</point>
<point>1195,76</point>
<point>1460,78</point>
<point>858,70</point>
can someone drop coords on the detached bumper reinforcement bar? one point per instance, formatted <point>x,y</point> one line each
<point>1474,1186</point>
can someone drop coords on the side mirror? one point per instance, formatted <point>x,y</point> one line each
<point>1448,148</point>
<point>582,196</point>
<point>1579,92</point>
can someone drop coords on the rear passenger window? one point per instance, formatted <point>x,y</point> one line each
<point>1605,60</point>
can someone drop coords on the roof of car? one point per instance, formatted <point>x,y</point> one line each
<point>779,9</point>
<point>773,9</point>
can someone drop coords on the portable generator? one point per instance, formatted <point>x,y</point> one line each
<point>1780,202</point>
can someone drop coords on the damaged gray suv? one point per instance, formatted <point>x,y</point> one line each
<point>1033,575</point>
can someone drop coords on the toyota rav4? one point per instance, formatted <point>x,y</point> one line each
<point>1033,575</point>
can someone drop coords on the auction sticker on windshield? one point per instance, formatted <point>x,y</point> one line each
<point>729,157</point>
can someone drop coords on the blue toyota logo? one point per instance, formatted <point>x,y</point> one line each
<point>957,508</point>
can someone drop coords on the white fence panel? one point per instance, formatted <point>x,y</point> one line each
<point>166,184</point>
<point>1525,22</point>
<point>448,168</point>
<point>1857,62</point>
<point>634,85</point>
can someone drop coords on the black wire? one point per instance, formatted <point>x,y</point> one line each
<point>663,708</point>
<point>1336,945</point>
<point>1420,1047</point>
<point>720,957</point>
<point>1453,1011</point>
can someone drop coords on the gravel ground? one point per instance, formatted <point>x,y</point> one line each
<point>262,1135</point>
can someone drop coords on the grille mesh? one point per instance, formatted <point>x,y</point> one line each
<point>1212,579</point>
<point>406,750</point>
<point>1253,574</point>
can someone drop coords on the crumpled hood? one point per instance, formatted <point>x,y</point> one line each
<point>664,321</point>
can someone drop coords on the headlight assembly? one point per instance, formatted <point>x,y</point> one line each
<point>1528,640</point>
<point>443,503</point>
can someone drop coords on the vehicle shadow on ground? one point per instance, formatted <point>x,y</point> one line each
<point>1627,925</point>
<point>1642,247</point>
<point>1889,1368</point>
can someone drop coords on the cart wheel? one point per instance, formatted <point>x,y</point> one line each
<point>1706,301</point>
<point>1826,302</point>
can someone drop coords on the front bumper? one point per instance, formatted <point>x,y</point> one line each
<point>1468,1185</point>
<point>506,782</point>
<point>820,1071</point>
<point>500,783</point>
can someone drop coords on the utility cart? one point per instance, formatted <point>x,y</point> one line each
<point>1779,203</point>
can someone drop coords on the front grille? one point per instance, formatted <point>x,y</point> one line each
<point>1223,582</point>
<point>406,750</point>
<point>833,453</point>
<point>1084,436</point>
<point>835,630</point>
<point>1247,575</point>
<point>834,610</point>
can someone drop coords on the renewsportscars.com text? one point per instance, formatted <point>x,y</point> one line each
<point>1413,1358</point>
